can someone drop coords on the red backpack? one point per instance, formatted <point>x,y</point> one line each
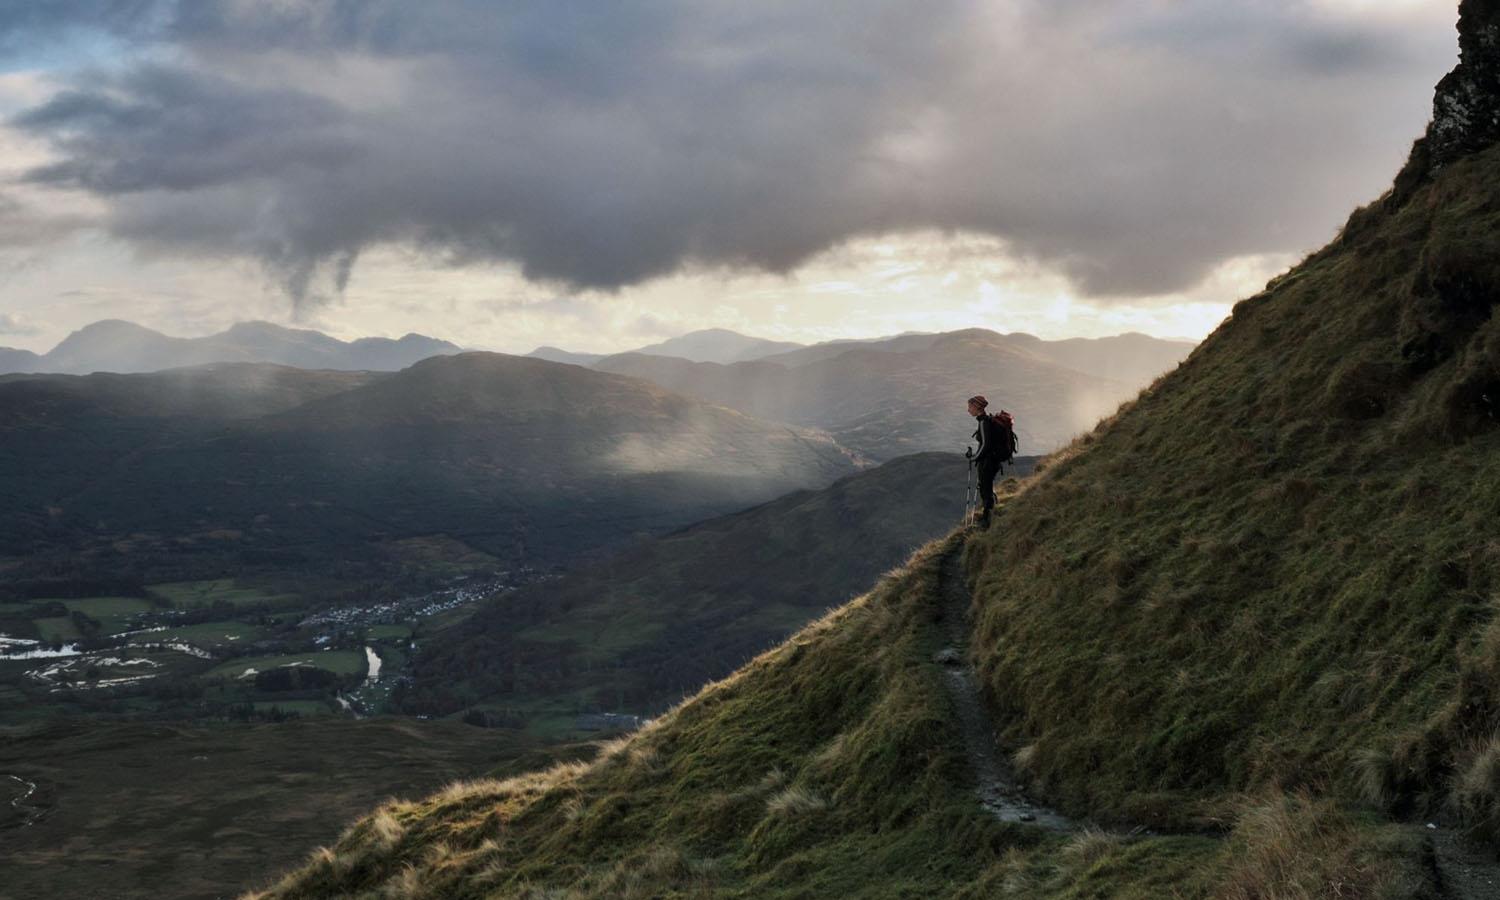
<point>1008,442</point>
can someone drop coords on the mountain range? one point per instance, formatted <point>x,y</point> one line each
<point>882,397</point>
<point>112,345</point>
<point>907,394</point>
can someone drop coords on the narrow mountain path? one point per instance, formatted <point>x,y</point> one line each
<point>999,792</point>
<point>1464,872</point>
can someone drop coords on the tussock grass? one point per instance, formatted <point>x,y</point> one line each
<point>795,801</point>
<point>1477,795</point>
<point>1297,847</point>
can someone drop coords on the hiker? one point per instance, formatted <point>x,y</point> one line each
<point>995,447</point>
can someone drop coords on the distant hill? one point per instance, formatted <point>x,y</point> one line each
<point>555,354</point>
<point>899,343</point>
<point>907,395</point>
<point>112,345</point>
<point>13,360</point>
<point>724,346</point>
<point>718,345</point>
<point>630,633</point>
<point>528,461</point>
<point>1132,358</point>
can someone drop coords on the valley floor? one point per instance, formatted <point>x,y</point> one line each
<point>126,810</point>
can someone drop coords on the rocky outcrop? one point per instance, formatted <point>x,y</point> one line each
<point>1466,109</point>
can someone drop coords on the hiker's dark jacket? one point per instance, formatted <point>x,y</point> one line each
<point>991,438</point>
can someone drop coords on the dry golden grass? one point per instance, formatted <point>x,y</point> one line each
<point>1298,847</point>
<point>795,801</point>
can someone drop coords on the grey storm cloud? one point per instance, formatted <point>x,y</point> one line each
<point>1132,144</point>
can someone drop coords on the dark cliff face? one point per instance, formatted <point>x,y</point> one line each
<point>1466,104</point>
<point>1466,109</point>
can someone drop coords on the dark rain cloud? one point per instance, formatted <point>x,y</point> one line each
<point>1131,144</point>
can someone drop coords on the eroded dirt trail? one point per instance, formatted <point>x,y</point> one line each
<point>1462,871</point>
<point>996,785</point>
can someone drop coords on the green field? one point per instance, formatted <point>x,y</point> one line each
<point>388,632</point>
<point>60,628</point>
<point>113,613</point>
<point>209,634</point>
<point>187,594</point>
<point>342,662</point>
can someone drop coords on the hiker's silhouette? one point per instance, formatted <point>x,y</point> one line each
<point>995,446</point>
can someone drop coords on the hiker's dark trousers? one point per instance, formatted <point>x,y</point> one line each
<point>987,468</point>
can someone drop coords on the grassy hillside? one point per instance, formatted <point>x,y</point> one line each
<point>1300,584</point>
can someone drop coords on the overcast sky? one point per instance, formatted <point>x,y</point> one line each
<point>600,175</point>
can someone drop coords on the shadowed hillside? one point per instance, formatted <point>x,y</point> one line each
<point>528,461</point>
<point>217,391</point>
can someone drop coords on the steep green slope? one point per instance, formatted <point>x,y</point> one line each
<point>1281,564</point>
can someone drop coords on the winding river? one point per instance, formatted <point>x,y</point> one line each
<point>28,812</point>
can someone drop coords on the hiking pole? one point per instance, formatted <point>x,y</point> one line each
<point>971,490</point>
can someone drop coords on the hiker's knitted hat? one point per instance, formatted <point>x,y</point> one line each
<point>979,401</point>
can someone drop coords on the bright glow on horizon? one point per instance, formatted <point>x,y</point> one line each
<point>865,288</point>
